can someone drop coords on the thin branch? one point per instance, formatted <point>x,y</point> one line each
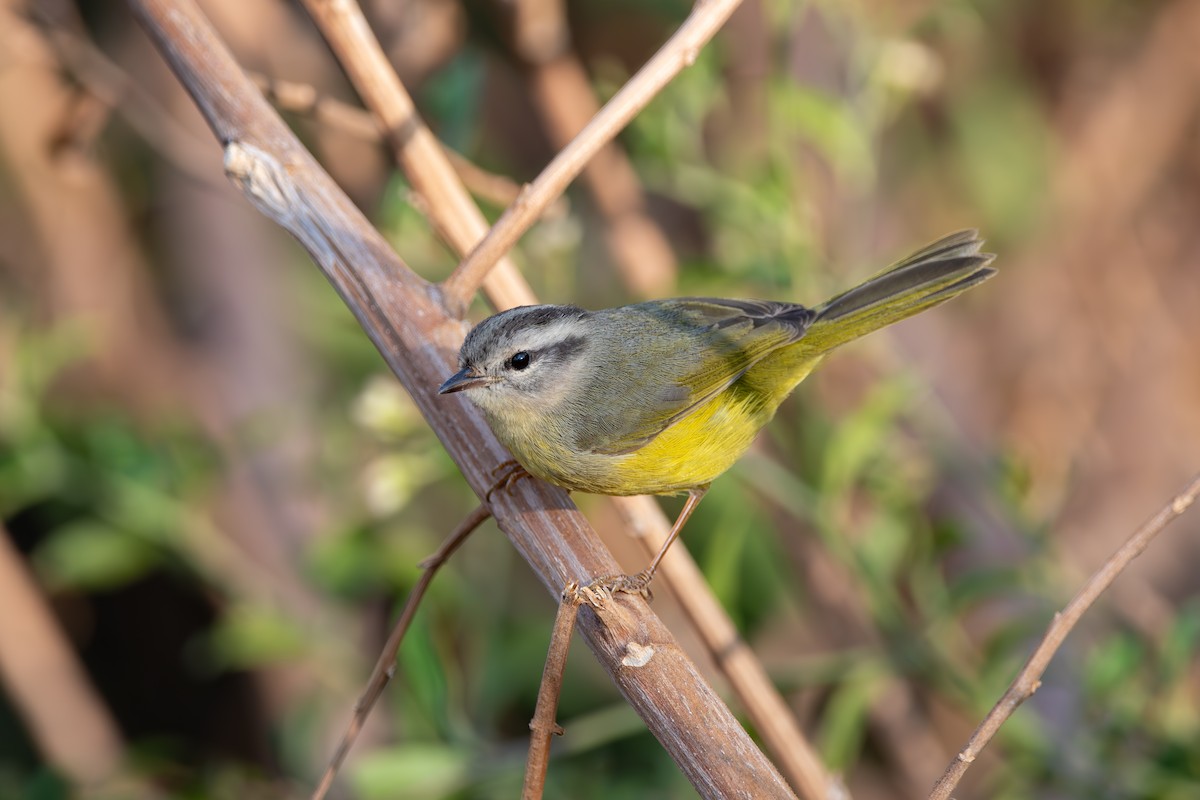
<point>113,87</point>
<point>772,718</point>
<point>679,52</point>
<point>417,338</point>
<point>543,726</point>
<point>500,190</point>
<point>564,97</point>
<point>455,216</point>
<point>385,667</point>
<point>767,709</point>
<point>1029,678</point>
<point>305,99</point>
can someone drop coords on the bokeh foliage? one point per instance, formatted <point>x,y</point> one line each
<point>892,547</point>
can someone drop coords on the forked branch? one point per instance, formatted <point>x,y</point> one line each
<point>385,666</point>
<point>417,337</point>
<point>679,52</point>
<point>1029,678</point>
<point>385,94</point>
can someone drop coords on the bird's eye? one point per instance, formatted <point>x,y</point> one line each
<point>520,360</point>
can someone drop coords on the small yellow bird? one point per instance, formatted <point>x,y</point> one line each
<point>664,396</point>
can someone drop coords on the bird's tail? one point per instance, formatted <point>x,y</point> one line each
<point>924,279</point>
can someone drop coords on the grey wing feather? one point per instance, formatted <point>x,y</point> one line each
<point>677,355</point>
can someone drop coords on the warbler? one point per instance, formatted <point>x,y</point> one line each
<point>662,397</point>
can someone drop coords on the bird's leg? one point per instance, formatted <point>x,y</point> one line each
<point>506,474</point>
<point>599,590</point>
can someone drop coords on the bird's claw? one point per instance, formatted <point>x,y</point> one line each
<point>601,590</point>
<point>506,474</point>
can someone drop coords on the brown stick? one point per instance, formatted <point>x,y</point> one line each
<point>563,95</point>
<point>775,722</point>
<point>458,220</point>
<point>543,725</point>
<point>1029,678</point>
<point>771,715</point>
<point>417,338</point>
<point>303,98</point>
<point>114,88</point>
<point>680,51</point>
<point>386,665</point>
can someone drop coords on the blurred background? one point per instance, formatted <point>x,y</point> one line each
<point>214,495</point>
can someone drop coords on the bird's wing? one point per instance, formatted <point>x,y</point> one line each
<point>679,354</point>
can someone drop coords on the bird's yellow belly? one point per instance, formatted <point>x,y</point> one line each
<point>688,454</point>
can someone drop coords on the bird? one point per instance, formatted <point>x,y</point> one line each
<point>662,397</point>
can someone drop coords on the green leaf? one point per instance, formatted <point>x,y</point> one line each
<point>414,772</point>
<point>422,668</point>
<point>1113,666</point>
<point>90,555</point>
<point>834,127</point>
<point>249,636</point>
<point>846,715</point>
<point>857,440</point>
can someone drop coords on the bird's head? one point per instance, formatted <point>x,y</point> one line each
<point>526,357</point>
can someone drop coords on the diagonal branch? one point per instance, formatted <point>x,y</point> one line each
<point>386,664</point>
<point>562,93</point>
<point>453,213</point>
<point>766,709</point>
<point>770,715</point>
<point>417,338</point>
<point>385,94</point>
<point>1030,676</point>
<point>679,52</point>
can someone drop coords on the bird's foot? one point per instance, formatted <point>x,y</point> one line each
<point>601,590</point>
<point>506,474</point>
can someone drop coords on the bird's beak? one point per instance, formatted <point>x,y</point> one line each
<point>465,378</point>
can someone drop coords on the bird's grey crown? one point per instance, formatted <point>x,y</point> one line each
<point>505,326</point>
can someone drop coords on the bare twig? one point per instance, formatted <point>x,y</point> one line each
<point>417,338</point>
<point>1029,678</point>
<point>772,718</point>
<point>497,189</point>
<point>385,667</point>
<point>456,217</point>
<point>679,52</point>
<point>771,715</point>
<point>113,87</point>
<point>566,101</point>
<point>640,250</point>
<point>543,725</point>
<point>303,98</point>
